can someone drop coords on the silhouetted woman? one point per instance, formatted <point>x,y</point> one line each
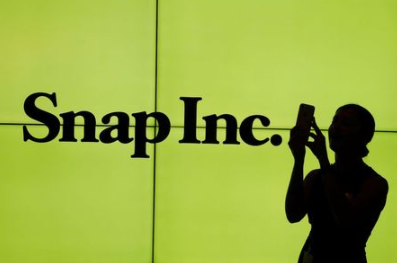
<point>343,200</point>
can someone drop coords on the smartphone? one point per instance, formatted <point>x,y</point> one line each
<point>305,118</point>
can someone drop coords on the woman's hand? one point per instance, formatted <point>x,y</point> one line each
<point>318,146</point>
<point>297,144</point>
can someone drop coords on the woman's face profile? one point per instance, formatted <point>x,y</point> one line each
<point>344,132</point>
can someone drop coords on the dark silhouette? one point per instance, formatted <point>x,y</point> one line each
<point>343,200</point>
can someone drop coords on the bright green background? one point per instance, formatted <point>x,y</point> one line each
<point>226,204</point>
<point>255,56</point>
<point>90,202</point>
<point>96,55</point>
<point>71,202</point>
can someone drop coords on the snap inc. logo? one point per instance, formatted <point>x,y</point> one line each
<point>119,132</point>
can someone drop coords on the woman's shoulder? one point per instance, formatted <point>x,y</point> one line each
<point>377,180</point>
<point>315,173</point>
<point>373,178</point>
<point>312,176</point>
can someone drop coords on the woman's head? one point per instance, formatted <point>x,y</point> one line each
<point>352,128</point>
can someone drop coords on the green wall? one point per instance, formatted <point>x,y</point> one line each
<point>90,202</point>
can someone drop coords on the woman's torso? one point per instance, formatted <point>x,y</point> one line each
<point>328,241</point>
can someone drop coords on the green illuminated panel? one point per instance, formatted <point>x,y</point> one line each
<point>96,55</point>
<point>381,247</point>
<point>92,203</point>
<point>225,203</point>
<point>73,202</point>
<point>266,57</point>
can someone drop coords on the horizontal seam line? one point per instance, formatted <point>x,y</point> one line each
<point>172,126</point>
